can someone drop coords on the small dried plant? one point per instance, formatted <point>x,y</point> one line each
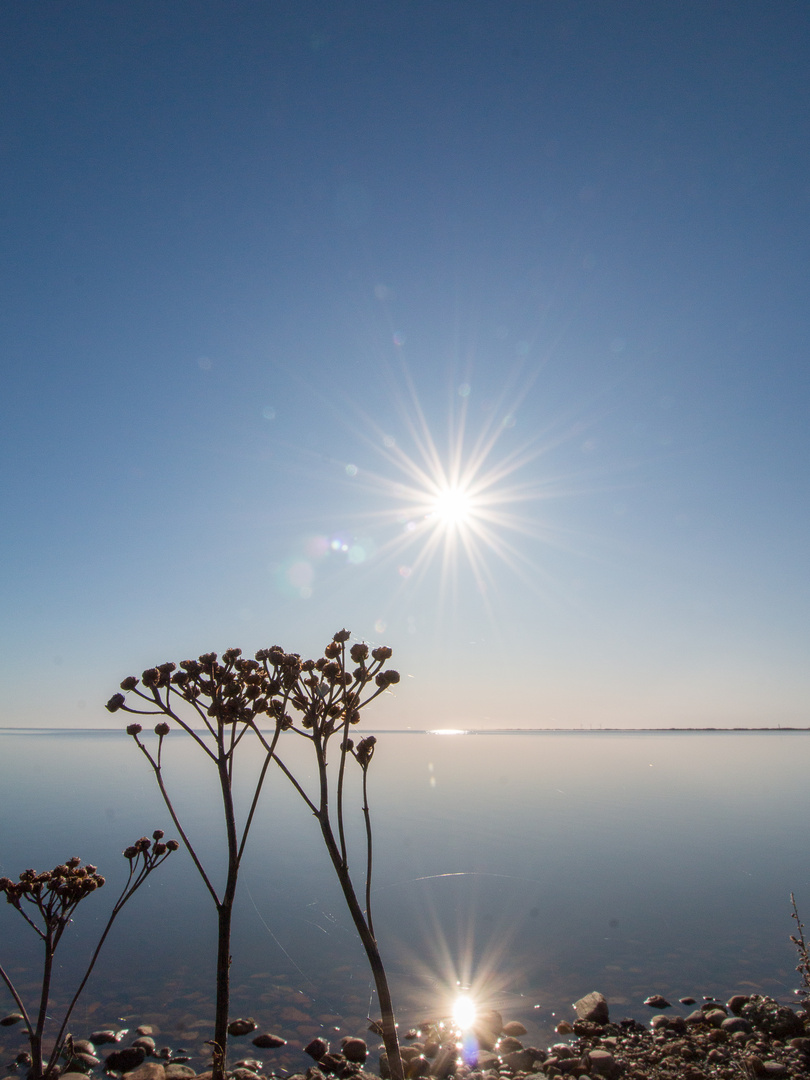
<point>803,966</point>
<point>47,902</point>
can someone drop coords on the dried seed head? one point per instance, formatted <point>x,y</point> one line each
<point>383,652</point>
<point>115,702</point>
<point>162,729</point>
<point>134,729</point>
<point>129,683</point>
<point>365,750</point>
<point>387,678</point>
<point>341,636</point>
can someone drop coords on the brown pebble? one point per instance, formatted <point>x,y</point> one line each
<point>593,1007</point>
<point>83,1046</point>
<point>317,1048</point>
<point>354,1050</point>
<point>514,1028</point>
<point>242,1026</point>
<point>150,1070</point>
<point>11,1019</point>
<point>108,1035</point>
<point>267,1041</point>
<point>656,1001</point>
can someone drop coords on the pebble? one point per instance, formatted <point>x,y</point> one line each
<point>593,1007</point>
<point>126,1060</point>
<point>656,1001</point>
<point>317,1048</point>
<point>242,1026</point>
<point>11,1019</point>
<point>354,1050</point>
<point>150,1070</point>
<point>268,1041</point>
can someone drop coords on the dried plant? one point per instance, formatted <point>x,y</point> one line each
<point>328,698</point>
<point>216,704</point>
<point>233,697</point>
<point>803,966</point>
<point>47,902</point>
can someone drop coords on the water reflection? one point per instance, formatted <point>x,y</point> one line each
<point>529,868</point>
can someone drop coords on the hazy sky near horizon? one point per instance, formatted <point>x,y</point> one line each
<point>277,275</point>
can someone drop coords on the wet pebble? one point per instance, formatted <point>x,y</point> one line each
<point>317,1048</point>
<point>83,1046</point>
<point>108,1035</point>
<point>354,1049</point>
<point>150,1070</point>
<point>242,1026</point>
<point>656,1001</point>
<point>268,1041</point>
<point>11,1019</point>
<point>146,1043</point>
<point>125,1060</point>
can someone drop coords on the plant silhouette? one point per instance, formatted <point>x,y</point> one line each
<point>319,700</point>
<point>328,698</point>
<point>222,699</point>
<point>47,902</point>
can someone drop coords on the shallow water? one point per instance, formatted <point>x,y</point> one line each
<point>533,867</point>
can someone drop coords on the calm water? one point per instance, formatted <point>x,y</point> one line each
<point>533,867</point>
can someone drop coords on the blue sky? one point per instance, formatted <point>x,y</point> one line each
<point>257,255</point>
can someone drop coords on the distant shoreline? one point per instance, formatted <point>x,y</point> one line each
<point>448,732</point>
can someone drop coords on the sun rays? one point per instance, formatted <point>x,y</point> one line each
<point>462,501</point>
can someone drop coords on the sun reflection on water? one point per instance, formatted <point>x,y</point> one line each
<point>464,1012</point>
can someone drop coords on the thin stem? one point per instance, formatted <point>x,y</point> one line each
<point>341,774</point>
<point>296,785</point>
<point>17,1000</point>
<point>47,969</point>
<point>257,793</point>
<point>369,850</point>
<point>159,777</point>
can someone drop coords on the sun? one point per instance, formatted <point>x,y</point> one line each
<point>453,507</point>
<point>458,503</point>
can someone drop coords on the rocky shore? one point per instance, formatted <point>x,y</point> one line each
<point>743,1038</point>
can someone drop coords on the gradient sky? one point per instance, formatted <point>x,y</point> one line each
<point>260,257</point>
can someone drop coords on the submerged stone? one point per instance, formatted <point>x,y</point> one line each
<point>242,1026</point>
<point>268,1041</point>
<point>127,1060</point>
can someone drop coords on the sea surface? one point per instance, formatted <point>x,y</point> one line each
<point>531,867</point>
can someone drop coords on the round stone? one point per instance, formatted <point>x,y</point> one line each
<point>267,1041</point>
<point>242,1026</point>
<point>354,1050</point>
